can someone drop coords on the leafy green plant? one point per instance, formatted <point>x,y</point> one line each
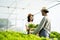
<point>32,25</point>
<point>12,35</point>
<point>54,35</point>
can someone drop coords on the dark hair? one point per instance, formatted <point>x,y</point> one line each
<point>45,10</point>
<point>29,15</point>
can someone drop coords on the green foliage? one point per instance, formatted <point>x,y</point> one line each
<point>54,35</point>
<point>55,39</point>
<point>11,35</point>
<point>32,25</point>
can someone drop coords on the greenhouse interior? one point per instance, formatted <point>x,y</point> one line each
<point>13,18</point>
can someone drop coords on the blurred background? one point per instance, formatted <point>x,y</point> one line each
<point>13,13</point>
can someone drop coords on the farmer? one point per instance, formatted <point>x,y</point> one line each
<point>44,27</point>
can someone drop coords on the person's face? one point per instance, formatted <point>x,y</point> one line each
<point>31,17</point>
<point>43,13</point>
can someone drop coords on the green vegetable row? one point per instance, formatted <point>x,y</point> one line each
<point>12,35</point>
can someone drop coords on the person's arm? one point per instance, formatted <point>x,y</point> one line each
<point>27,28</point>
<point>48,25</point>
<point>40,26</point>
